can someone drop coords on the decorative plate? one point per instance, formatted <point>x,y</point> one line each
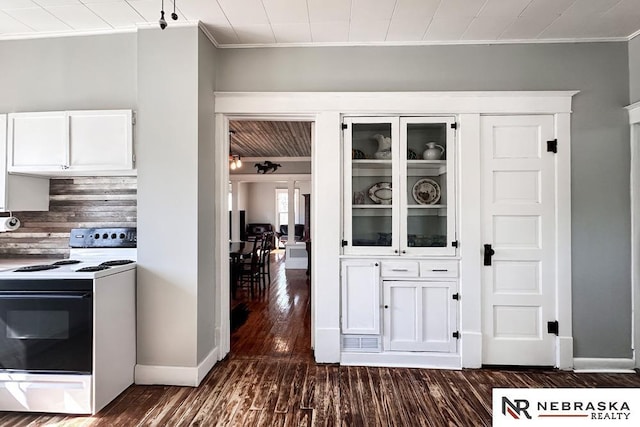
<point>381,193</point>
<point>425,191</point>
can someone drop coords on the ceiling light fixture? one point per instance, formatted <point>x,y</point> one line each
<point>174,15</point>
<point>234,159</point>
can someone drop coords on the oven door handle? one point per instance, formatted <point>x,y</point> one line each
<point>45,295</point>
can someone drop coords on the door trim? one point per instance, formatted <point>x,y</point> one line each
<point>328,108</point>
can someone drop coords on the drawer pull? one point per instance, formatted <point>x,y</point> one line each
<point>399,269</point>
<point>441,270</point>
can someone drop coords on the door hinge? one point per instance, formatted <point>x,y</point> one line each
<point>454,125</point>
<point>344,243</point>
<point>455,243</point>
<point>344,126</point>
<point>553,327</point>
<point>456,335</point>
<point>456,296</point>
<point>133,118</point>
<point>552,146</point>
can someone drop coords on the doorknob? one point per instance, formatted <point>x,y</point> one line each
<point>488,253</point>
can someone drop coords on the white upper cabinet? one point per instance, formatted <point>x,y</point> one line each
<point>399,186</point>
<point>71,143</point>
<point>19,193</point>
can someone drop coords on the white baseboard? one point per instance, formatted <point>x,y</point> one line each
<point>327,345</point>
<point>612,365</point>
<point>190,376</point>
<point>400,359</point>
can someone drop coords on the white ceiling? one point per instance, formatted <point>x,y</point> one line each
<point>343,22</point>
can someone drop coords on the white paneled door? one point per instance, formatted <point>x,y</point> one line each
<point>518,222</point>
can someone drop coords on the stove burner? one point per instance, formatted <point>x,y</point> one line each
<point>36,268</point>
<point>117,262</point>
<point>92,268</point>
<point>66,262</point>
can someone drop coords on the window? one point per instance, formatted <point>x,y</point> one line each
<point>282,206</point>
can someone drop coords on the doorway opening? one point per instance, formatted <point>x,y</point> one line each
<point>269,274</point>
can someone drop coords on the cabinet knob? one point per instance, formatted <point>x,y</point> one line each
<point>404,252</point>
<point>396,251</point>
<point>376,264</point>
<point>386,306</point>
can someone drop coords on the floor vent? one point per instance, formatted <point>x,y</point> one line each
<point>363,343</point>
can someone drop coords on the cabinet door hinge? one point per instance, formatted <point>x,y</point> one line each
<point>133,118</point>
<point>552,146</point>
<point>454,125</point>
<point>133,157</point>
<point>553,327</point>
<point>344,126</point>
<point>456,296</point>
<point>455,243</point>
<point>456,335</point>
<point>344,243</point>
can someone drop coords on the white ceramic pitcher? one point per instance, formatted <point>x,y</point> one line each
<point>433,151</point>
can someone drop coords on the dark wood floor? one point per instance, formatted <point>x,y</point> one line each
<point>270,379</point>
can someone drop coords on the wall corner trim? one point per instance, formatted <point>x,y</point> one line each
<point>190,376</point>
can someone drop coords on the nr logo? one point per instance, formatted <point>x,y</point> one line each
<point>516,409</point>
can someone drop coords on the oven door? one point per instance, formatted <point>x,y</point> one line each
<point>46,328</point>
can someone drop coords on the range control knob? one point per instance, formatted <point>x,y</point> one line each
<point>122,236</point>
<point>114,235</point>
<point>105,236</point>
<point>96,236</point>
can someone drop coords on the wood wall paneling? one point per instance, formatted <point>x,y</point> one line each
<point>73,203</point>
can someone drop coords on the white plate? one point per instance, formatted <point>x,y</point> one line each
<point>426,192</point>
<point>381,193</point>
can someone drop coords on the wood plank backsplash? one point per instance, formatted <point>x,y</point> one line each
<point>73,202</point>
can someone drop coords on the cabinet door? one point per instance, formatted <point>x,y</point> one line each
<point>360,297</point>
<point>427,186</point>
<point>371,203</point>
<point>419,315</point>
<point>100,140</point>
<point>37,142</point>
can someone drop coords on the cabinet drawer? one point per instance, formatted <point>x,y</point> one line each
<point>399,269</point>
<point>439,268</point>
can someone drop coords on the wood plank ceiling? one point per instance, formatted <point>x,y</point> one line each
<point>250,138</point>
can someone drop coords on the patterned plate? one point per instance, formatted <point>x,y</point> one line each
<point>426,192</point>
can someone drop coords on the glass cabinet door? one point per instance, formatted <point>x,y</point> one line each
<point>428,221</point>
<point>370,202</point>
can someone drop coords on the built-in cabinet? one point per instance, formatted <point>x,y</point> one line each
<point>55,143</point>
<point>19,193</point>
<point>399,209</point>
<point>399,186</point>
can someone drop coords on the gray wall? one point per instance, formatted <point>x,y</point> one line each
<point>167,193</point>
<point>97,72</point>
<point>634,70</point>
<point>600,139</point>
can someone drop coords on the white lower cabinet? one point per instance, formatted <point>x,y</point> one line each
<point>399,309</point>
<point>361,297</point>
<point>419,315</point>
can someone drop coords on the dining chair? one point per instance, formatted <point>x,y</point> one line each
<point>249,271</point>
<point>265,264</point>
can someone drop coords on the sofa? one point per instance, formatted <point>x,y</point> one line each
<point>283,234</point>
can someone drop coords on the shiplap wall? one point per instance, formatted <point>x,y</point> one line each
<point>74,202</point>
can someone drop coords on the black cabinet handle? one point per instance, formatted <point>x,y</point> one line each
<point>488,253</point>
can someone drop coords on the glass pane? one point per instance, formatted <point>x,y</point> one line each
<point>283,218</point>
<point>426,185</point>
<point>37,324</point>
<point>371,184</point>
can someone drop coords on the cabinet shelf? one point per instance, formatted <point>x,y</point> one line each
<point>426,206</point>
<point>371,206</point>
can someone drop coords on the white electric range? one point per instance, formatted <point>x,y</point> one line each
<point>67,328</point>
